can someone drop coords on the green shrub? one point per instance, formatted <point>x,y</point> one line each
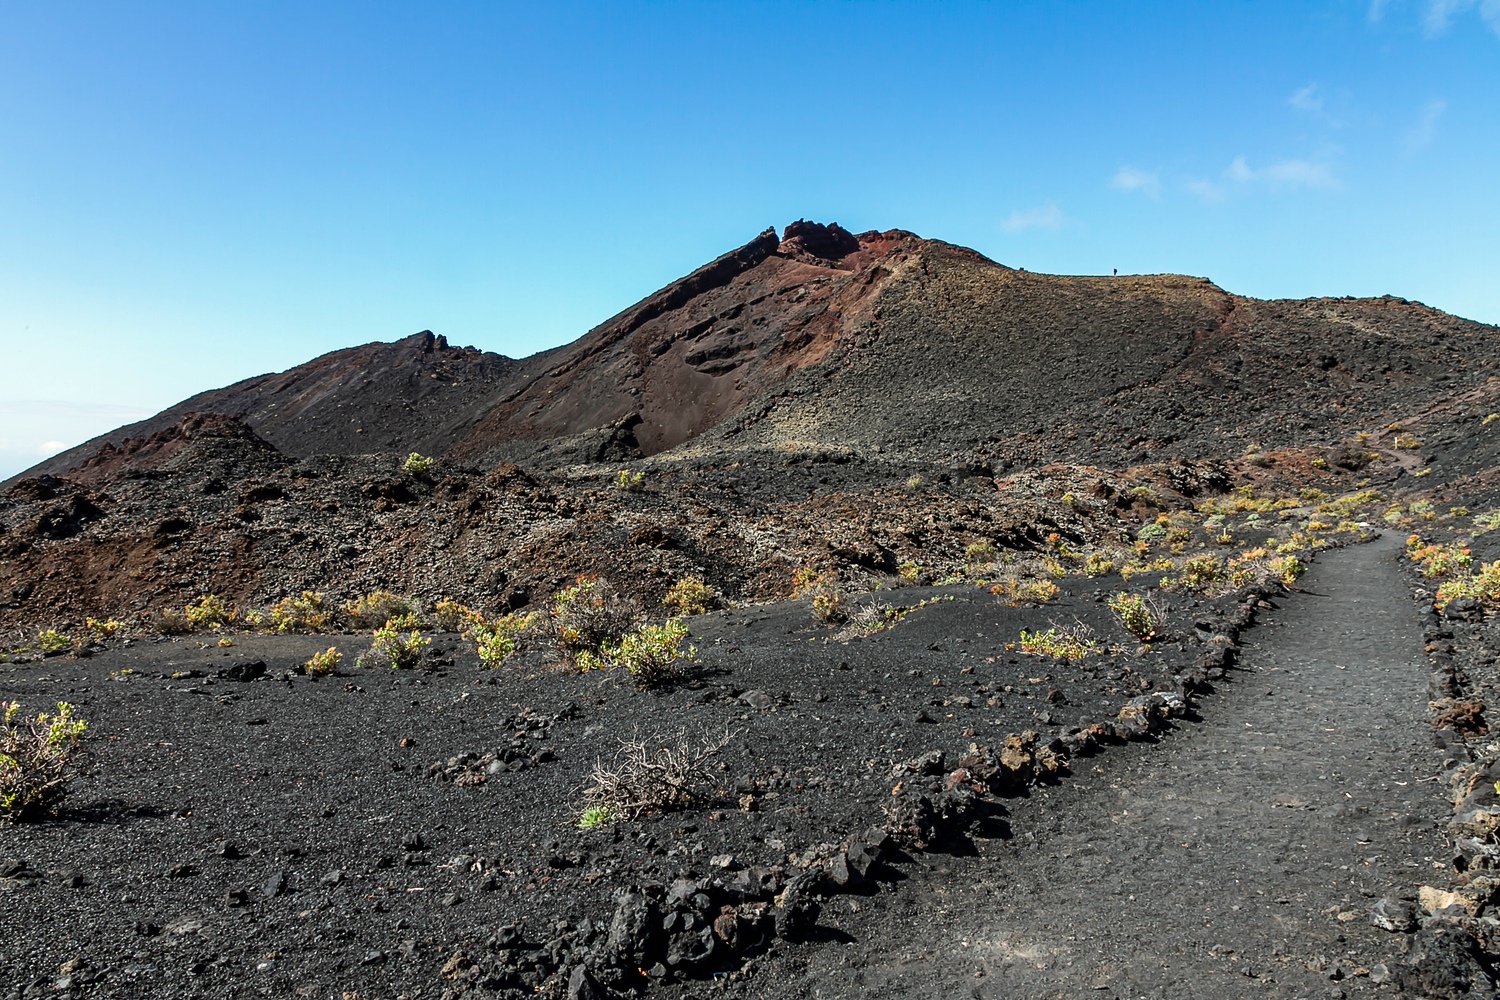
<point>417,464</point>
<point>103,629</point>
<point>653,654</point>
<point>1063,644</point>
<point>1483,586</point>
<point>450,616</point>
<point>1017,592</point>
<point>36,759</point>
<point>51,642</point>
<point>979,553</point>
<point>305,613</point>
<point>1141,615</point>
<point>397,651</point>
<point>378,607</point>
<point>323,663</point>
<point>498,640</point>
<point>585,616</point>
<point>690,596</point>
<point>211,611</point>
<point>1098,564</point>
<point>630,482</point>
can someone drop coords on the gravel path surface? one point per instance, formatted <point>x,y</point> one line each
<point>1238,857</point>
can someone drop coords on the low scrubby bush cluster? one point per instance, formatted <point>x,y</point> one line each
<point>1015,592</point>
<point>691,596</point>
<point>586,616</point>
<point>823,588</point>
<point>37,756</point>
<point>1064,643</point>
<point>375,609</point>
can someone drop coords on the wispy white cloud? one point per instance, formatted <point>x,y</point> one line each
<point>1438,15</point>
<point>1284,173</point>
<point>1131,179</point>
<point>1426,127</point>
<point>1307,99</point>
<point>1044,217</point>
<point>1240,175</point>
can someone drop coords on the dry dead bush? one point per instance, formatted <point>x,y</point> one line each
<point>645,778</point>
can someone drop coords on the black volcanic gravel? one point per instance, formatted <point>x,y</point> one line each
<point>231,837</point>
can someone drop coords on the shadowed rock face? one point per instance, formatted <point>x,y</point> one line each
<point>881,342</point>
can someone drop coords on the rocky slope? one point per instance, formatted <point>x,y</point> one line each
<point>851,403</point>
<point>881,343</point>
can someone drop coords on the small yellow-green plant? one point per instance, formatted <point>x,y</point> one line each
<point>1199,572</point>
<point>102,629</point>
<point>1483,586</point>
<point>690,596</point>
<point>52,642</point>
<point>980,553</point>
<point>1138,567</point>
<point>909,571</point>
<point>323,663</point>
<point>630,482</point>
<point>914,483</point>
<point>1062,644</point>
<point>1489,418</point>
<point>378,607</point>
<point>1140,614</point>
<point>398,651</point>
<point>823,588</point>
<point>36,758</point>
<point>1406,442</point>
<point>595,817</point>
<point>1098,564</point>
<point>1286,568</point>
<point>417,464</point>
<point>828,606</point>
<point>305,613</point>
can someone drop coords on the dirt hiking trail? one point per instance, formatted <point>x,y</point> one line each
<point>1239,857</point>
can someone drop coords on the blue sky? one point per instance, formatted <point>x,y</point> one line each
<point>191,194</point>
